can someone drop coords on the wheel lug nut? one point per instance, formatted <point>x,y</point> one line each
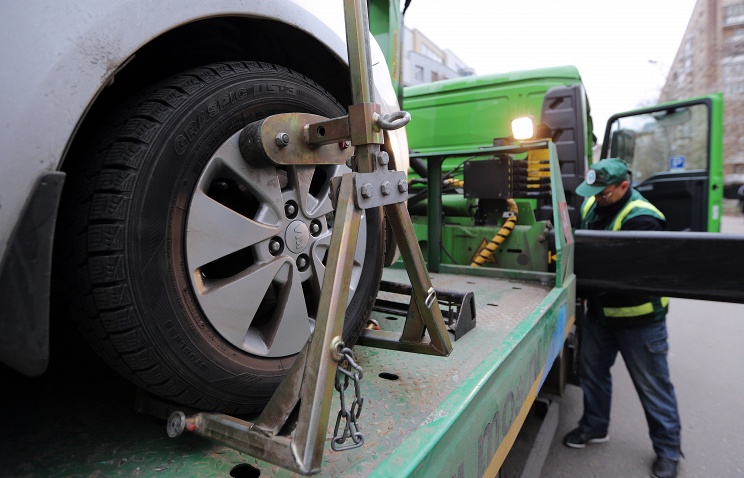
<point>275,246</point>
<point>290,209</point>
<point>314,228</point>
<point>302,263</point>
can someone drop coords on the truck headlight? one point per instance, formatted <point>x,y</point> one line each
<point>523,128</point>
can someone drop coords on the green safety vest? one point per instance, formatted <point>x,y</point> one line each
<point>625,309</point>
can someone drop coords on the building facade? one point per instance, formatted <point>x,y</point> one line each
<point>709,59</point>
<point>424,61</point>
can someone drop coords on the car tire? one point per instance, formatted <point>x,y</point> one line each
<point>191,272</point>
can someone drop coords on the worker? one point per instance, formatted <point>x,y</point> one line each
<point>632,324</point>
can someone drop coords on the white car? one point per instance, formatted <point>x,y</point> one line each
<point>119,165</point>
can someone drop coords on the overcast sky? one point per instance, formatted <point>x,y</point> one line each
<point>622,48</point>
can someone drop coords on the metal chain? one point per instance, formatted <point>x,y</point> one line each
<point>345,374</point>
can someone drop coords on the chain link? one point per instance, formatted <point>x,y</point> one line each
<point>344,374</point>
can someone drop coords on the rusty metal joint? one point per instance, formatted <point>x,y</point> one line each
<point>282,139</point>
<point>335,130</point>
<point>363,124</point>
<point>375,189</point>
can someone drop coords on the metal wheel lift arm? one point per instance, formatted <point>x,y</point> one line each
<point>310,383</point>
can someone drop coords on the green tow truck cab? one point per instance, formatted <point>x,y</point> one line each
<point>674,150</point>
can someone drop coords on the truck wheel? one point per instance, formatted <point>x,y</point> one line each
<point>197,276</point>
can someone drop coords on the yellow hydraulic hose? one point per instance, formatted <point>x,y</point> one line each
<point>500,237</point>
<point>456,183</point>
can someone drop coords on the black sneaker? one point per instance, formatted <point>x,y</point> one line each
<point>578,438</point>
<point>664,468</point>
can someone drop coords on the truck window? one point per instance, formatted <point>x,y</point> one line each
<point>667,141</point>
<point>674,158</point>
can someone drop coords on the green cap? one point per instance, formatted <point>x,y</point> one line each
<point>600,175</point>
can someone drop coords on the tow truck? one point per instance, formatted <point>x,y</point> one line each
<point>455,351</point>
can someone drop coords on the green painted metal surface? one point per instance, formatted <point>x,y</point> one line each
<point>527,250</point>
<point>715,191</point>
<point>465,432</point>
<point>469,112</point>
<point>79,419</point>
<point>385,24</point>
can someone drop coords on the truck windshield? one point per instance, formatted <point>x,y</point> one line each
<point>671,140</point>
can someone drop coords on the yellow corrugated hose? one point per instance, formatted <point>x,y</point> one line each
<point>457,183</point>
<point>499,238</point>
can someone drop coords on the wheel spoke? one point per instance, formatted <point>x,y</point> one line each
<point>232,304</point>
<point>262,182</point>
<point>320,247</point>
<point>287,334</point>
<point>300,180</point>
<point>318,252</point>
<point>214,231</point>
<point>324,206</point>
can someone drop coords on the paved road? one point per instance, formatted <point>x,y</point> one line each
<point>706,360</point>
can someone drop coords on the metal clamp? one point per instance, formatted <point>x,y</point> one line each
<point>288,139</point>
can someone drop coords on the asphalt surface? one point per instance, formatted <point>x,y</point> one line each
<point>706,358</point>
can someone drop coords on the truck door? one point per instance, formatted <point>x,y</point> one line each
<point>675,154</point>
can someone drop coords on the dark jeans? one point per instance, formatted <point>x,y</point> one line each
<point>644,349</point>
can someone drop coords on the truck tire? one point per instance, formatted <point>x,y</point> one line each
<point>194,274</point>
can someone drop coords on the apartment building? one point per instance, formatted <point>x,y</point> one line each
<point>710,58</point>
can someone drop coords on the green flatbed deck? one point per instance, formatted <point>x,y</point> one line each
<point>440,416</point>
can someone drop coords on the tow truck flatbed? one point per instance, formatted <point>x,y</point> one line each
<point>422,415</point>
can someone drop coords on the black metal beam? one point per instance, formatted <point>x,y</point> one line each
<point>693,265</point>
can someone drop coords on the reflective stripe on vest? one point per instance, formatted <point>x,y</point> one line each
<point>618,221</point>
<point>639,203</point>
<point>587,205</point>
<point>633,311</point>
